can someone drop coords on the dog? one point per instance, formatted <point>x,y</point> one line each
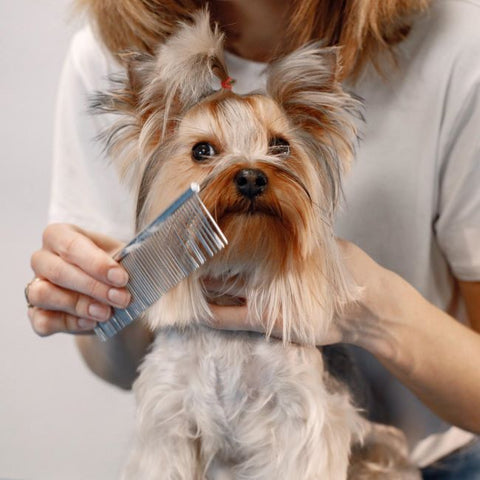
<point>216,404</point>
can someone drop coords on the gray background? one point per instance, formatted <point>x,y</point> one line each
<point>57,421</point>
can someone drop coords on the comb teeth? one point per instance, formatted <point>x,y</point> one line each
<point>172,247</point>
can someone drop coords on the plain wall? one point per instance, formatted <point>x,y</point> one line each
<point>57,421</point>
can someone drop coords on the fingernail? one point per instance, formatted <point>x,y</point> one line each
<point>117,276</point>
<point>86,324</point>
<point>120,298</point>
<point>98,311</point>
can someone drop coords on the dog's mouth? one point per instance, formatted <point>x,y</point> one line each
<point>282,200</point>
<point>256,211</point>
<point>223,291</point>
<point>250,208</point>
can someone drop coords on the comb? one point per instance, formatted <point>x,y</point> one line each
<point>173,246</point>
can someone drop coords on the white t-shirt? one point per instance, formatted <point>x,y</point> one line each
<point>412,197</point>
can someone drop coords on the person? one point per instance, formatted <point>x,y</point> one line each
<point>411,221</point>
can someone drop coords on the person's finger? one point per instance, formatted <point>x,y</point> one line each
<point>48,322</point>
<point>46,296</point>
<point>73,246</point>
<point>51,267</point>
<point>230,317</point>
<point>237,318</point>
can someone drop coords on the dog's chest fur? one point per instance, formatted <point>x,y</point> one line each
<point>239,401</point>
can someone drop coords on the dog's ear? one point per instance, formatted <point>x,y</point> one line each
<point>305,84</point>
<point>158,89</point>
<point>122,137</point>
<point>188,67</point>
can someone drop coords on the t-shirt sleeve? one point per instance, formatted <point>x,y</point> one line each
<point>458,223</point>
<point>86,189</point>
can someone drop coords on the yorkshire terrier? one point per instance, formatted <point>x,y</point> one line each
<point>240,405</point>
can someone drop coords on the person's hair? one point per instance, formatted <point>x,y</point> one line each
<point>364,29</point>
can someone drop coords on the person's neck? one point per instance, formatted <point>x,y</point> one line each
<point>254,30</point>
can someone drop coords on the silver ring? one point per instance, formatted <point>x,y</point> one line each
<point>25,291</point>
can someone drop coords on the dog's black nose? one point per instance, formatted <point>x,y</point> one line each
<point>251,182</point>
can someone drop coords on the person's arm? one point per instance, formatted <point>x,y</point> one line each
<point>118,359</point>
<point>79,281</point>
<point>470,292</point>
<point>432,354</point>
<point>427,350</point>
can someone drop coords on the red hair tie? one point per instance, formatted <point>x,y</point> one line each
<point>227,83</point>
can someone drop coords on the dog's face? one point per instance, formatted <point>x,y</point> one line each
<point>270,165</point>
<point>260,184</point>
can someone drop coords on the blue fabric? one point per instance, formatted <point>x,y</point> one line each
<point>464,464</point>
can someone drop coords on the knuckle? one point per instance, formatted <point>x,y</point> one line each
<point>343,244</point>
<point>35,259</point>
<point>81,305</point>
<point>95,289</point>
<point>32,293</point>
<point>62,238</point>
<point>38,292</point>
<point>348,250</point>
<point>71,322</point>
<point>68,247</point>
<point>41,324</point>
<point>100,266</point>
<point>51,232</point>
<point>56,273</point>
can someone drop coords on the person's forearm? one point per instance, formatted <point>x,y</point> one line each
<point>117,359</point>
<point>428,351</point>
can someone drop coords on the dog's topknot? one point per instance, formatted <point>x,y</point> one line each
<point>158,89</point>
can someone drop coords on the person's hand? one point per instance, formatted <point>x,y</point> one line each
<point>76,281</point>
<point>360,322</point>
<point>368,321</point>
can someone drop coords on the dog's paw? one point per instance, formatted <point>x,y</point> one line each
<point>383,455</point>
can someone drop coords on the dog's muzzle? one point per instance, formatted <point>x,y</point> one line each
<point>251,182</point>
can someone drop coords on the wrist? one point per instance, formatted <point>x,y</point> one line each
<point>118,359</point>
<point>383,318</point>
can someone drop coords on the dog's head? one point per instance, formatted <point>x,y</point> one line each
<point>270,164</point>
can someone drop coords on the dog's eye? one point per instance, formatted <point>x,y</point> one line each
<point>202,151</point>
<point>279,146</point>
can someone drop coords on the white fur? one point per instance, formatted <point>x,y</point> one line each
<point>215,405</point>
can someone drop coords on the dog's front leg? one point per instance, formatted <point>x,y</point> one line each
<point>292,427</point>
<point>166,444</point>
<point>163,457</point>
<point>382,455</point>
